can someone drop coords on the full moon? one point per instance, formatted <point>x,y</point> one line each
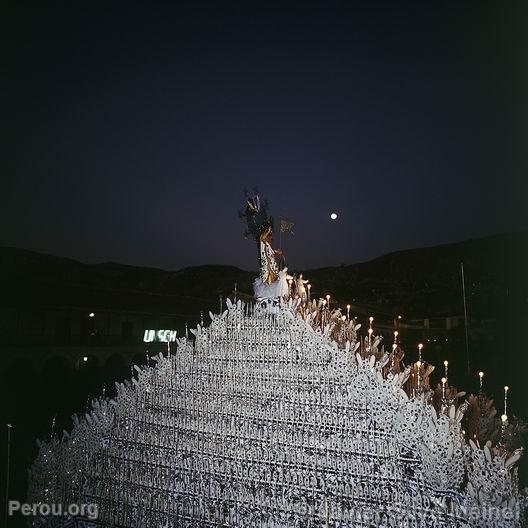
<point>333,216</point>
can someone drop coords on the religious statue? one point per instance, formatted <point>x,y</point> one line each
<point>272,281</point>
<point>300,288</point>
<point>269,269</point>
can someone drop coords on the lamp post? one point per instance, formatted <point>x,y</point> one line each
<point>8,463</point>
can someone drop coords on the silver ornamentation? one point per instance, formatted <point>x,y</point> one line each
<point>280,419</point>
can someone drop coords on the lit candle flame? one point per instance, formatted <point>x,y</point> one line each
<point>418,366</point>
<point>370,330</point>
<point>481,377</point>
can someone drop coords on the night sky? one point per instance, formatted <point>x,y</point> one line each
<point>130,131</point>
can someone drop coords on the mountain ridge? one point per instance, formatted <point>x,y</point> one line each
<point>417,280</point>
<point>111,263</point>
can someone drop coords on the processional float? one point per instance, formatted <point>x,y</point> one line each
<point>278,414</point>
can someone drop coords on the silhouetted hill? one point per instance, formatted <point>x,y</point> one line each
<point>30,278</point>
<point>424,281</point>
<point>427,281</point>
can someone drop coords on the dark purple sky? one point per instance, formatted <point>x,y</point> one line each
<point>130,131</point>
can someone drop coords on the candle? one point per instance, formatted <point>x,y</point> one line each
<point>481,376</point>
<point>418,366</point>
<point>309,288</point>
<point>444,381</point>
<point>420,346</point>
<point>506,389</point>
<point>348,312</point>
<point>446,364</point>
